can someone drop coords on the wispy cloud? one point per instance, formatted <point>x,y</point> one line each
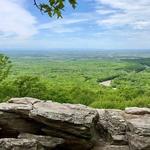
<point>16,21</point>
<point>133,13</point>
<point>63,26</point>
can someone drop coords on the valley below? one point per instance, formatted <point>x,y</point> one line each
<point>99,79</point>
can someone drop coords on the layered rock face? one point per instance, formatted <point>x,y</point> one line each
<point>27,123</point>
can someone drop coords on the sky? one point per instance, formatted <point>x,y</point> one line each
<point>94,24</point>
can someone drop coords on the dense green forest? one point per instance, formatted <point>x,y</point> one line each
<point>98,79</point>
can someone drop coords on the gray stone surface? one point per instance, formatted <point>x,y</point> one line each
<point>46,141</point>
<point>139,132</point>
<point>140,125</point>
<point>25,100</point>
<point>102,122</point>
<point>19,144</point>
<point>16,108</point>
<point>114,124</point>
<point>27,123</point>
<point>76,120</point>
<point>112,147</point>
<point>137,142</point>
<point>137,111</point>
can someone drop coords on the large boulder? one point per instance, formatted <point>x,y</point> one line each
<point>140,125</point>
<point>74,123</point>
<point>114,124</point>
<point>139,132</point>
<point>76,120</point>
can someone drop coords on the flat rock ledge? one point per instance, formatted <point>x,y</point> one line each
<point>32,124</point>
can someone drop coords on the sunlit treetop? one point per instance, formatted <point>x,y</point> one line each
<point>54,7</point>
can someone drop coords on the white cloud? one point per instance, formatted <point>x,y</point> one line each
<point>16,21</point>
<point>105,11</point>
<point>133,13</point>
<point>62,25</point>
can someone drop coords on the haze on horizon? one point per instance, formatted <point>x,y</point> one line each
<point>95,24</point>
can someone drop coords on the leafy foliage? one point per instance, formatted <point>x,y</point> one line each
<point>29,86</point>
<point>4,66</point>
<point>54,7</point>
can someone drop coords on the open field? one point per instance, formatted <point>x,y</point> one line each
<point>76,77</point>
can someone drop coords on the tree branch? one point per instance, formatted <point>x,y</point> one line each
<point>35,3</point>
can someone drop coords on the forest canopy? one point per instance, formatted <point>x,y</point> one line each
<point>77,78</point>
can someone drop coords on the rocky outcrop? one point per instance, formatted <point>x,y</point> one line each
<point>138,133</point>
<point>27,123</point>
